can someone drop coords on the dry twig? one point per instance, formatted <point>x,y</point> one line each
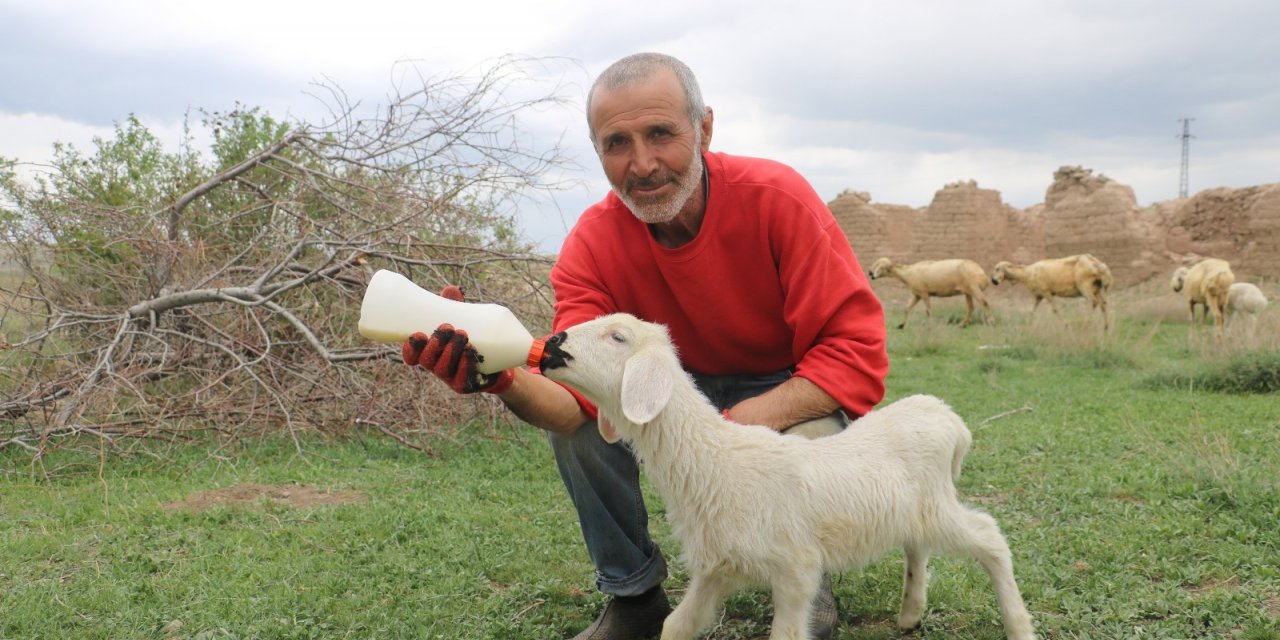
<point>230,307</point>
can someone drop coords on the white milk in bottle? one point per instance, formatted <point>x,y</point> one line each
<point>394,308</point>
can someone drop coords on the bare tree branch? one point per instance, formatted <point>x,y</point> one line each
<point>153,311</point>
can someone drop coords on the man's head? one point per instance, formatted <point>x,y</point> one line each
<point>650,127</point>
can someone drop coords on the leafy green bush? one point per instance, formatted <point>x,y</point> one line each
<point>1255,372</point>
<point>219,289</point>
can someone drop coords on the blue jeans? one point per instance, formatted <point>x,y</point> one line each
<point>603,481</point>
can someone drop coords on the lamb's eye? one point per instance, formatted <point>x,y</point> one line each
<point>618,337</point>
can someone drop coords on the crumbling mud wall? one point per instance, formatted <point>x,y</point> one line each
<point>1241,226</point>
<point>874,231</point>
<point>1083,212</point>
<point>963,221</point>
<point>1087,213</point>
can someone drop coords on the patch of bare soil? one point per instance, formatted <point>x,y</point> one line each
<point>293,496</point>
<point>1232,583</point>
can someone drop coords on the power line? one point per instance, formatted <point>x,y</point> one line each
<point>1186,156</point>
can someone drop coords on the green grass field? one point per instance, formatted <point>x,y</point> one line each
<point>1138,501</point>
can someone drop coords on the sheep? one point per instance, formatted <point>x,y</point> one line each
<point>942,278</point>
<point>751,506</point>
<point>1206,283</point>
<point>1242,298</point>
<point>1245,297</point>
<point>1075,276</point>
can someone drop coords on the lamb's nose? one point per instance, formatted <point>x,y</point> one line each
<point>553,356</point>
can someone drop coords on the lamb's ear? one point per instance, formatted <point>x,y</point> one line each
<point>647,384</point>
<point>607,430</point>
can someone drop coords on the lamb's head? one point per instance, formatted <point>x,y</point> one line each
<point>880,268</point>
<point>1001,271</point>
<point>1179,278</point>
<point>626,366</point>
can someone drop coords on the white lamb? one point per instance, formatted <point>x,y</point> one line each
<point>751,506</point>
<point>1245,298</point>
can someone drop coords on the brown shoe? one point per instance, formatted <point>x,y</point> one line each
<point>636,618</point>
<point>825,614</point>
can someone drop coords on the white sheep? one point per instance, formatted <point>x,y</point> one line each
<point>1247,299</point>
<point>1075,276</point>
<point>942,278</point>
<point>751,506</point>
<point>1205,283</point>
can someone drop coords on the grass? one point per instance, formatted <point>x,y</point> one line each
<point>1139,503</point>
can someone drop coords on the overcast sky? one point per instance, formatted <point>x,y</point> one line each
<point>893,98</point>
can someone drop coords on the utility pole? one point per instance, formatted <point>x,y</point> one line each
<point>1186,156</point>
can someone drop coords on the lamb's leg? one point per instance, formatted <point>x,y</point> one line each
<point>915,587</point>
<point>976,534</point>
<point>905,314</point>
<point>1219,314</point>
<point>697,610</point>
<point>968,300</point>
<point>986,306</point>
<point>1096,298</point>
<point>793,593</point>
<point>1053,305</point>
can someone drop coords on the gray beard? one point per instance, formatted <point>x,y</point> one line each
<point>662,212</point>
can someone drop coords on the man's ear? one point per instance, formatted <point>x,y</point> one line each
<point>647,385</point>
<point>607,430</point>
<point>707,124</point>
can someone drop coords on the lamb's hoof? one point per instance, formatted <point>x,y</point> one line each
<point>902,326</point>
<point>909,623</point>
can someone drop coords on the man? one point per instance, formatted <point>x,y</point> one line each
<point>746,266</point>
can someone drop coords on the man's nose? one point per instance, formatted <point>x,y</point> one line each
<point>644,160</point>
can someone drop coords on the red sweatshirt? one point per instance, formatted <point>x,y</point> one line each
<point>770,282</point>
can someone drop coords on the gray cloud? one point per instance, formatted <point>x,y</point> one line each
<point>893,98</point>
<point>46,73</point>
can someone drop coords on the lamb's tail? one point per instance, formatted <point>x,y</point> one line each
<point>1101,280</point>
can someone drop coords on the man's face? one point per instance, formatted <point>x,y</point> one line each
<point>651,153</point>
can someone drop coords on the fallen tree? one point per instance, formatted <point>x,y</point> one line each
<point>164,296</point>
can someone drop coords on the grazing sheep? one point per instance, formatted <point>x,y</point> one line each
<point>1071,277</point>
<point>1242,298</point>
<point>1206,283</point>
<point>751,506</point>
<point>1245,297</point>
<point>942,278</point>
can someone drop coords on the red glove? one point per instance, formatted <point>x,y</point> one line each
<point>448,354</point>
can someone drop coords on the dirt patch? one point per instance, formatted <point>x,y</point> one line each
<point>1228,584</point>
<point>293,496</point>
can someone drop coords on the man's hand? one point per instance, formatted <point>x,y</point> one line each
<point>448,354</point>
<point>786,405</point>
